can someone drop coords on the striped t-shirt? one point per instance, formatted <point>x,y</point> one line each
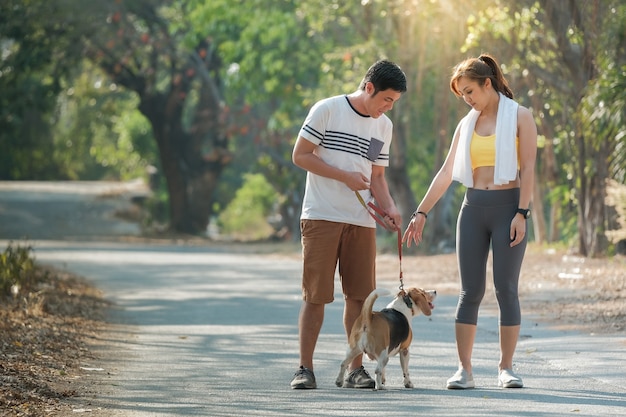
<point>350,141</point>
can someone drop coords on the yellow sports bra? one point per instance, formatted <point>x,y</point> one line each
<point>483,151</point>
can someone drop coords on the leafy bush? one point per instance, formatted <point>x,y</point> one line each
<point>246,215</point>
<point>17,269</point>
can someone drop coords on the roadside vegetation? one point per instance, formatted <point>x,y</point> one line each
<point>17,269</point>
<point>47,320</point>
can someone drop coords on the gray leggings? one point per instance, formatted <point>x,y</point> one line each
<point>484,221</point>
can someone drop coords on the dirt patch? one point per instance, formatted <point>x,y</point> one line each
<point>48,334</point>
<point>45,345</point>
<point>564,290</point>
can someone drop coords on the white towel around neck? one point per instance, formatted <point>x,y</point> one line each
<point>506,149</point>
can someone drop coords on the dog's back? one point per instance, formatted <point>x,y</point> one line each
<point>398,327</point>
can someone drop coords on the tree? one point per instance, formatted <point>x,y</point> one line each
<point>98,131</point>
<point>274,58</point>
<point>141,45</point>
<point>602,113</point>
<point>560,65</point>
<point>302,53</point>
<point>36,54</point>
<point>412,34</point>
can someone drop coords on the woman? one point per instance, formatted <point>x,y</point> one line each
<point>493,154</point>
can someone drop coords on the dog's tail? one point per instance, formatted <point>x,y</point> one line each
<point>368,306</point>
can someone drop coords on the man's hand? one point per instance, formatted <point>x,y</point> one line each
<point>393,220</point>
<point>356,181</point>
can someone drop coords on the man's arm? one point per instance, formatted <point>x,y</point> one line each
<point>380,191</point>
<point>304,156</point>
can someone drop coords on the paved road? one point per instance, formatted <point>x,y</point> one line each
<point>205,331</point>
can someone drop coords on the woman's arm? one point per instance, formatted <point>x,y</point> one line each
<point>437,188</point>
<point>527,134</point>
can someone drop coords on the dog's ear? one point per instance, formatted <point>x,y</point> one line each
<point>421,300</point>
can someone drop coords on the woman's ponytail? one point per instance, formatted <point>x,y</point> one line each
<point>479,69</point>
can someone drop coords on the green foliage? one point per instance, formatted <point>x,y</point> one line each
<point>100,133</point>
<point>603,109</point>
<point>571,76</point>
<point>54,123</point>
<point>32,63</point>
<point>247,213</point>
<point>17,269</point>
<point>273,59</point>
<point>563,196</point>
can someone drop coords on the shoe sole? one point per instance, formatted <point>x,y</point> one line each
<point>511,385</point>
<point>371,385</point>
<point>304,386</point>
<point>461,386</point>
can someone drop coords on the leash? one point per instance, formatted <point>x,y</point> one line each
<point>405,296</point>
<point>373,210</point>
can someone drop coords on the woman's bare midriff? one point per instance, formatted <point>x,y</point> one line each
<point>483,180</point>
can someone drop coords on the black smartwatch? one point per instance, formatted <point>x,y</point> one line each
<point>524,212</point>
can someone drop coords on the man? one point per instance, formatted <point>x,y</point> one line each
<point>344,147</point>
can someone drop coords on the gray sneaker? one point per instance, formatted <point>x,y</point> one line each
<point>303,379</point>
<point>359,378</point>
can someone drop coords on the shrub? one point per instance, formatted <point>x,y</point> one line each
<point>246,215</point>
<point>17,269</point>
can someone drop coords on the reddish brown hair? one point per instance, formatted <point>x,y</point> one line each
<point>479,69</point>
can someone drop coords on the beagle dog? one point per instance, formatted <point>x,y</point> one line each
<point>383,334</point>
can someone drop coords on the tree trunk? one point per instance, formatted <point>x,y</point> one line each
<point>191,162</point>
<point>170,137</point>
<point>592,195</point>
<point>591,219</point>
<point>206,156</point>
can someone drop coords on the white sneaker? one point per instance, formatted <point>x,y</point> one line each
<point>461,380</point>
<point>507,379</point>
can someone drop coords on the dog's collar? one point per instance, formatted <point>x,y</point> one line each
<point>407,300</point>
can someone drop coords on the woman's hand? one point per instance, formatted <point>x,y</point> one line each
<point>518,230</point>
<point>414,230</point>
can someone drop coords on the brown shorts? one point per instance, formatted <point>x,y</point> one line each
<point>324,244</point>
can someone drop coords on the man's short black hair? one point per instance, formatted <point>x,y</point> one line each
<point>385,75</point>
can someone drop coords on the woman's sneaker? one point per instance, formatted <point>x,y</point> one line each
<point>359,378</point>
<point>507,379</point>
<point>303,379</point>
<point>461,380</point>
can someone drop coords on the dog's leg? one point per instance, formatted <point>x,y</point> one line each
<point>404,364</point>
<point>383,358</point>
<point>350,355</point>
